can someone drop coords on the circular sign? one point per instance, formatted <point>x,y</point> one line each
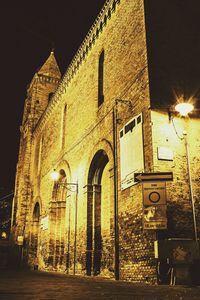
<point>154,197</point>
<point>154,193</point>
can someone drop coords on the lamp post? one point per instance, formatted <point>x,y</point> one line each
<point>115,159</point>
<point>74,188</point>
<point>184,109</point>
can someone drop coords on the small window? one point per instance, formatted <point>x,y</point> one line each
<point>138,119</point>
<point>100,79</point>
<point>130,126</point>
<point>50,96</point>
<point>40,155</point>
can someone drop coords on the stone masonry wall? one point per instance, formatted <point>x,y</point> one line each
<point>169,134</point>
<point>89,129</point>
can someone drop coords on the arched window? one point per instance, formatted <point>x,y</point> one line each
<point>100,78</point>
<point>39,156</point>
<point>57,221</point>
<point>36,212</point>
<point>50,96</point>
<point>63,134</point>
<point>59,189</point>
<point>33,247</point>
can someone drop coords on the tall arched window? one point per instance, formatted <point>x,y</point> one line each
<point>39,155</point>
<point>57,221</point>
<point>50,96</point>
<point>100,78</point>
<point>33,247</point>
<point>63,134</point>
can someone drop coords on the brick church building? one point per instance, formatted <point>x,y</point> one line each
<point>107,121</point>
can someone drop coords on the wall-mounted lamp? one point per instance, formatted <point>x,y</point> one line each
<point>184,108</point>
<point>54,175</point>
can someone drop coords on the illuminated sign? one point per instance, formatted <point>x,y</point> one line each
<point>20,240</point>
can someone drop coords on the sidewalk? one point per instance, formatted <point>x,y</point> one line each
<point>15,285</point>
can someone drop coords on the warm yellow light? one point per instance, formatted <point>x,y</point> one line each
<point>184,108</point>
<point>54,175</point>
<point>4,235</point>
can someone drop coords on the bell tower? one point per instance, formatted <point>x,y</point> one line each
<point>40,91</point>
<point>43,85</point>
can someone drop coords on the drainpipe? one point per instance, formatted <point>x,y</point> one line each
<point>116,229</point>
<point>75,227</point>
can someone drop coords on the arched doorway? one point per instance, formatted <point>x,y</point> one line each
<point>57,208</point>
<point>35,234</point>
<point>94,199</point>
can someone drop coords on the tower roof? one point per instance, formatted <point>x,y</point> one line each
<point>50,67</point>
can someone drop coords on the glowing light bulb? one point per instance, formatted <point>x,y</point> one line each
<point>54,175</point>
<point>184,108</point>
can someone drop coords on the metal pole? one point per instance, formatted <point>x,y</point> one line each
<point>69,232</point>
<point>75,228</point>
<point>190,186</point>
<point>115,193</point>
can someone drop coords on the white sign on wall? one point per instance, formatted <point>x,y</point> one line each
<point>131,151</point>
<point>20,240</point>
<point>44,223</point>
<point>165,153</point>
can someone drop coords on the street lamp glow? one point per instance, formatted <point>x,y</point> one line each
<point>54,175</point>
<point>184,108</point>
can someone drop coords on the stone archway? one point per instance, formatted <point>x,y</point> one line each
<point>94,205</point>
<point>57,207</point>
<point>35,234</point>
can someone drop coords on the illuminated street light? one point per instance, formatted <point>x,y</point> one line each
<point>4,235</point>
<point>184,108</point>
<point>55,175</point>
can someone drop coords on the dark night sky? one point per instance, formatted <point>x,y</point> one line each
<point>29,30</point>
<point>173,35</point>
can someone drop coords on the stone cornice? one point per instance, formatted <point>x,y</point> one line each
<point>87,44</point>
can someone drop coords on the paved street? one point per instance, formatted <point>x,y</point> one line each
<point>39,285</point>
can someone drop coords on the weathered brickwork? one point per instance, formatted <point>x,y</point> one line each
<point>169,134</point>
<point>75,136</point>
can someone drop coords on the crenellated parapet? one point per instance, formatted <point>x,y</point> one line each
<point>87,44</point>
<point>89,41</point>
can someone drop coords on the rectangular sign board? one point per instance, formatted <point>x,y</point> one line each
<point>154,193</point>
<point>131,146</point>
<point>44,223</point>
<point>160,176</point>
<point>154,217</point>
<point>165,153</point>
<point>20,240</point>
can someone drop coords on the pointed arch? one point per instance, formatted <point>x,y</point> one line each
<point>36,212</point>
<point>34,238</point>
<point>64,127</point>
<point>57,219</point>
<point>94,201</point>
<point>101,79</point>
